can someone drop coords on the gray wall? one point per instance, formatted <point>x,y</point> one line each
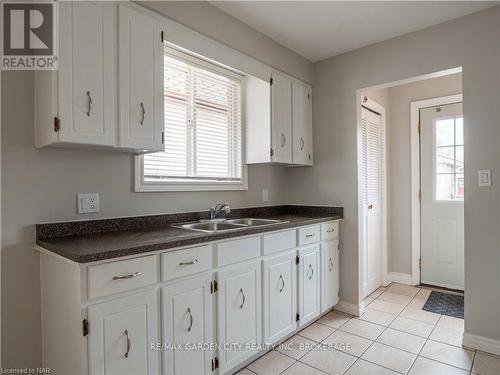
<point>470,42</point>
<point>400,179</point>
<point>40,185</point>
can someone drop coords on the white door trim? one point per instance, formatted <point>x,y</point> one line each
<point>415,176</point>
<point>385,277</point>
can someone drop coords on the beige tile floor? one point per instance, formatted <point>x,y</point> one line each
<point>393,336</point>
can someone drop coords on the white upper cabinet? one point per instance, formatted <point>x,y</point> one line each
<point>301,124</point>
<point>278,121</point>
<point>140,88</point>
<point>78,104</point>
<point>281,118</point>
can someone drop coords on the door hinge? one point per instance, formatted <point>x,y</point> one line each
<point>57,124</point>
<point>161,36</point>
<point>271,81</point>
<point>162,138</point>
<point>271,152</point>
<point>297,317</point>
<point>215,364</point>
<point>85,327</point>
<point>420,195</point>
<point>297,259</point>
<point>420,263</point>
<point>214,287</point>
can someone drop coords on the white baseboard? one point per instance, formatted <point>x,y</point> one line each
<point>482,343</point>
<point>350,308</point>
<point>401,278</point>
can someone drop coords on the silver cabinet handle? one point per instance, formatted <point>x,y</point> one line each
<point>90,104</point>
<point>330,230</point>
<point>302,143</point>
<point>283,285</point>
<point>312,272</point>
<point>330,266</point>
<point>143,113</point>
<point>189,263</point>
<point>309,235</point>
<point>129,344</point>
<point>243,302</point>
<point>190,319</point>
<point>126,277</point>
<point>283,139</point>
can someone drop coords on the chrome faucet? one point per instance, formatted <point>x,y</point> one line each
<point>214,211</point>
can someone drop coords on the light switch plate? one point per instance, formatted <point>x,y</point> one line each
<point>88,203</point>
<point>484,177</point>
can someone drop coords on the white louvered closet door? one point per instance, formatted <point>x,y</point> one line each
<point>371,192</point>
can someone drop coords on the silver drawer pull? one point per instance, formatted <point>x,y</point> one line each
<point>129,344</point>
<point>143,113</point>
<point>126,277</point>
<point>302,143</point>
<point>190,319</point>
<point>243,302</point>
<point>189,263</point>
<point>283,285</point>
<point>330,267</point>
<point>330,230</point>
<point>309,235</point>
<point>283,139</point>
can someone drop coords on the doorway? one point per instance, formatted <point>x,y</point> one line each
<point>372,194</point>
<point>442,195</point>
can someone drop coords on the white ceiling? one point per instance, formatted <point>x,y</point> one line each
<point>321,29</point>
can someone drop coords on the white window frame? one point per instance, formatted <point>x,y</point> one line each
<point>198,185</point>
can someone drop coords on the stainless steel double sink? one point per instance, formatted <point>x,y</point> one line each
<point>227,225</point>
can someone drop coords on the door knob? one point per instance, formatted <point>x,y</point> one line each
<point>370,206</point>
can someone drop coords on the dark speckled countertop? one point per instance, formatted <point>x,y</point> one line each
<point>91,241</point>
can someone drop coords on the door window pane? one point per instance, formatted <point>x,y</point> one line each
<point>449,159</point>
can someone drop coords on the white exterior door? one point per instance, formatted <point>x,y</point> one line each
<point>301,124</point>
<point>280,296</point>
<point>371,194</point>
<point>329,274</point>
<point>442,202</point>
<point>188,319</point>
<point>87,72</point>
<point>309,284</point>
<point>140,85</point>
<point>121,332</point>
<point>281,118</point>
<point>239,313</point>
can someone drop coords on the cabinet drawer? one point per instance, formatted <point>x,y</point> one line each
<point>116,277</point>
<point>186,262</point>
<point>280,241</point>
<point>330,231</point>
<point>238,250</point>
<point>308,235</point>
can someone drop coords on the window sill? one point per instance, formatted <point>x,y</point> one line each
<point>196,186</point>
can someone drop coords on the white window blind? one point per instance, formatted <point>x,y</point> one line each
<point>202,125</point>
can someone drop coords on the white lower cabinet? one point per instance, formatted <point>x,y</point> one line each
<point>309,283</point>
<point>329,274</point>
<point>239,313</point>
<point>188,320</point>
<point>280,296</point>
<point>122,331</point>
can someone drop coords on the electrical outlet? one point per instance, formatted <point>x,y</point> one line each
<point>88,203</point>
<point>265,195</point>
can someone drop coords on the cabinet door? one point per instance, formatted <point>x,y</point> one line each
<point>140,66</point>
<point>280,296</point>
<point>188,319</point>
<point>301,124</point>
<point>329,274</point>
<point>86,79</point>
<point>239,313</point>
<point>281,118</point>
<point>309,284</point>
<point>121,332</point>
